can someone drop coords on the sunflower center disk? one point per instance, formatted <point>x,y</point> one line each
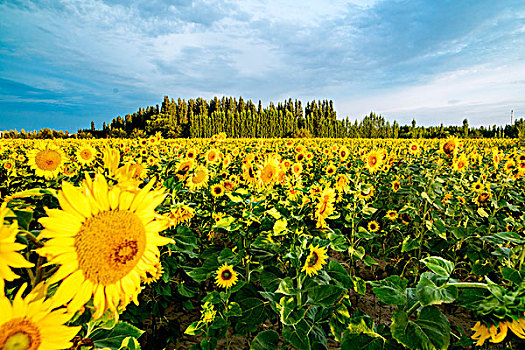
<point>48,160</point>
<point>19,334</point>
<point>109,245</point>
<point>313,259</point>
<point>86,154</point>
<point>226,275</point>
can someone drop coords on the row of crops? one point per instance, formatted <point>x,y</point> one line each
<point>262,243</point>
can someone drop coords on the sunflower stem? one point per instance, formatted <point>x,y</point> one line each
<point>39,271</point>
<point>522,257</point>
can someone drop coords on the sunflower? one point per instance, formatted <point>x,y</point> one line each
<point>366,193</point>
<point>184,168</point>
<point>391,215</point>
<point>217,190</point>
<point>104,239</point>
<point>30,323</point>
<point>330,170</point>
<point>483,197</point>
<point>373,160</point>
<point>396,185</point>
<point>373,226</point>
<point>47,162</point>
<point>299,157</point>
<point>86,154</point>
<point>509,165</point>
<point>226,276</point>
<point>191,153</point>
<point>269,172</point>
<point>8,250</point>
<point>450,146</point>
<point>414,148</point>
<point>461,163</point>
<point>341,182</point>
<point>180,214</point>
<point>325,207</point>
<point>153,273</point>
<point>212,155</point>
<point>198,179</point>
<point>315,260</point>
<point>111,159</point>
<point>297,169</point>
<point>482,332</point>
<point>477,186</point>
<point>343,153</point>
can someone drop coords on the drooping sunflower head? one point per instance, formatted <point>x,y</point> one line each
<point>450,146</point>
<point>199,178</point>
<point>184,168</point>
<point>483,197</point>
<point>47,162</point>
<point>104,239</point>
<point>315,260</point>
<point>366,192</point>
<point>226,276</point>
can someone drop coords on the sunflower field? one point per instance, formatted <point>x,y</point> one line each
<point>224,243</point>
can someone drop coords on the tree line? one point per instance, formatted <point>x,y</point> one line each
<point>239,118</point>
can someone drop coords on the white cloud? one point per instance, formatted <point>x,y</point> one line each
<point>496,89</point>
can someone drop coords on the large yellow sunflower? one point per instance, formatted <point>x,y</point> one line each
<point>86,154</point>
<point>315,260</point>
<point>226,276</point>
<point>269,172</point>
<point>374,160</point>
<point>450,146</point>
<point>105,239</point>
<point>46,162</point>
<point>9,257</point>
<point>30,323</point>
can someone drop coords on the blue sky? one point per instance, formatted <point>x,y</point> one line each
<point>65,63</point>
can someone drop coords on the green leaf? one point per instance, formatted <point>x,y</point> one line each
<point>186,291</point>
<point>233,310</point>
<point>225,222</point>
<point>194,328</point>
<point>185,240</point>
<point>253,310</point>
<point>113,338</point>
<point>265,340</point>
<point>198,274</point>
<point>361,337</point>
<point>431,331</point>
<point>512,275</point>
<point>324,295</point>
<point>483,213</point>
<point>297,335</point>
<point>290,314</point>
<point>24,218</point>
<point>280,226</point>
<point>358,252</point>
<point>130,343</point>
<point>274,213</point>
<point>430,294</point>
<point>391,291</point>
<point>339,273</point>
<point>286,287</point>
<point>439,266</point>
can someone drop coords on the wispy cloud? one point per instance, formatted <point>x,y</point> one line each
<point>65,63</point>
